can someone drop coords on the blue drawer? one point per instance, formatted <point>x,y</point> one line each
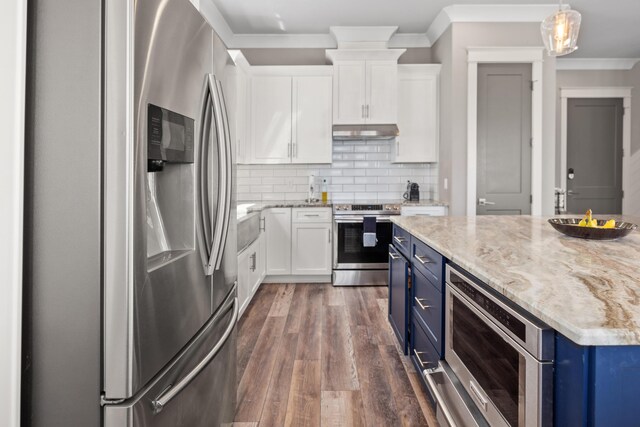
<point>426,306</point>
<point>427,261</point>
<point>423,354</point>
<point>402,241</point>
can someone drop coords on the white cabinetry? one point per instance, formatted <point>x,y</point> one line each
<point>311,242</point>
<point>270,119</point>
<point>365,92</point>
<point>251,271</point>
<point>236,92</point>
<point>417,114</point>
<point>418,210</point>
<point>291,115</point>
<point>298,242</point>
<point>277,224</point>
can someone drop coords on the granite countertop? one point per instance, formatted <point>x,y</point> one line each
<point>587,290</point>
<point>247,208</point>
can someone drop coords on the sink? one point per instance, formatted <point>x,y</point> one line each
<point>248,230</point>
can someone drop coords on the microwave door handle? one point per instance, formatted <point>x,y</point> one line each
<point>227,168</point>
<point>203,227</point>
<point>218,228</point>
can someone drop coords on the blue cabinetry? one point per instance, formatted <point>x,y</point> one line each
<point>399,282</point>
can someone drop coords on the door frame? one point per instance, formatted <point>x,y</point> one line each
<point>526,55</point>
<point>13,25</point>
<point>598,92</point>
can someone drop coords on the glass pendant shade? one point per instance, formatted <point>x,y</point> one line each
<point>560,32</point>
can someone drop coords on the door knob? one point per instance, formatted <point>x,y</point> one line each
<point>485,202</point>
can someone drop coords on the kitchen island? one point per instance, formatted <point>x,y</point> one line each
<point>587,291</point>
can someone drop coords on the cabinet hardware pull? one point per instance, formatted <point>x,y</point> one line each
<point>477,395</point>
<point>392,256</point>
<point>422,261</point>
<point>436,394</point>
<point>311,214</point>
<point>422,306</point>
<point>264,224</point>
<point>400,240</point>
<point>418,353</point>
<point>329,236</point>
<point>289,150</point>
<point>367,116</point>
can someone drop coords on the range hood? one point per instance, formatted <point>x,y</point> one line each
<point>358,132</point>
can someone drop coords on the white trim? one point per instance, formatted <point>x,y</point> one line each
<point>337,55</point>
<point>290,41</point>
<point>362,37</point>
<point>533,55</point>
<point>406,40</point>
<point>563,64</point>
<point>599,92</point>
<point>13,22</point>
<point>291,70</point>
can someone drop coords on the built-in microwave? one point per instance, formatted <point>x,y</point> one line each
<point>499,358</point>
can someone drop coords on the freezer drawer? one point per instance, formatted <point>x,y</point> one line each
<point>208,399</point>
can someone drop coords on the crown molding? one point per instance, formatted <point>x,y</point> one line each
<point>487,13</point>
<point>585,64</point>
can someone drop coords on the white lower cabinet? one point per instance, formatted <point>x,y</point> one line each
<point>277,224</point>
<point>251,271</point>
<point>311,248</point>
<point>298,241</point>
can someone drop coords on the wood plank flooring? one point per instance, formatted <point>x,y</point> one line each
<point>315,355</point>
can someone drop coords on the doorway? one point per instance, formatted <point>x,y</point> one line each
<point>503,184</point>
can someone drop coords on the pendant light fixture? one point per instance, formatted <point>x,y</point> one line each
<point>560,31</point>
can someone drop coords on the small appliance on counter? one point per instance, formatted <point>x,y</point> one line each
<point>413,192</point>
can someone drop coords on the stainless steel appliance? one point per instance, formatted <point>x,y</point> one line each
<point>355,264</point>
<point>364,132</point>
<point>498,366</point>
<point>150,279</point>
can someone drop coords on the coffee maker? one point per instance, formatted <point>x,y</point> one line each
<point>413,192</point>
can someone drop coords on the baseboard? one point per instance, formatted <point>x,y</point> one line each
<point>288,278</point>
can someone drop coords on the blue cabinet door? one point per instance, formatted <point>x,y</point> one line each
<point>398,290</point>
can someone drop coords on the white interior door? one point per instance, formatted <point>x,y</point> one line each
<point>312,121</point>
<point>271,119</point>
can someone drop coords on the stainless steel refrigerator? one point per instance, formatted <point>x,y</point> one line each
<point>130,242</point>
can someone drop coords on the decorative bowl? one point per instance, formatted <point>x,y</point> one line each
<point>570,227</point>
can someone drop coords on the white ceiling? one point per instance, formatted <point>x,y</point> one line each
<point>609,29</point>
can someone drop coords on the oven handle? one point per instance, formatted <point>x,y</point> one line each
<point>358,219</point>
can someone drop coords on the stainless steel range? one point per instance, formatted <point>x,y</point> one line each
<point>360,260</point>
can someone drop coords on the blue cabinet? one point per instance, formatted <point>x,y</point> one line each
<point>427,308</point>
<point>399,281</point>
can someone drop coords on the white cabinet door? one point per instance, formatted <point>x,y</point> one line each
<point>270,119</point>
<point>277,223</point>
<point>349,92</point>
<point>417,114</point>
<point>257,263</point>
<point>244,279</point>
<point>382,92</point>
<point>311,248</point>
<point>312,105</point>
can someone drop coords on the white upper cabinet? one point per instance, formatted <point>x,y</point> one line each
<point>271,119</point>
<point>291,115</point>
<point>382,92</point>
<point>349,92</point>
<point>312,104</point>
<point>365,92</point>
<point>418,88</point>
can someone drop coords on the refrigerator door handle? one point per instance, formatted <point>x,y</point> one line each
<point>165,397</point>
<point>226,168</point>
<point>215,249</point>
<point>204,227</point>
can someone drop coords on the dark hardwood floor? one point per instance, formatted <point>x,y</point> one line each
<point>315,355</point>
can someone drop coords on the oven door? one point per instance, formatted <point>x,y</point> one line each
<point>348,251</point>
<point>509,386</point>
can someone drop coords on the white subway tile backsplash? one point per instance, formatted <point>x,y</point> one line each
<point>360,171</point>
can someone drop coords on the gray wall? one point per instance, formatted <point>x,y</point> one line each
<point>62,239</point>
<point>442,53</point>
<point>634,80</point>
<point>317,56</point>
<point>454,113</point>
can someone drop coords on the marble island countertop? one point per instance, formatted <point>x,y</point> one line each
<point>587,290</point>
